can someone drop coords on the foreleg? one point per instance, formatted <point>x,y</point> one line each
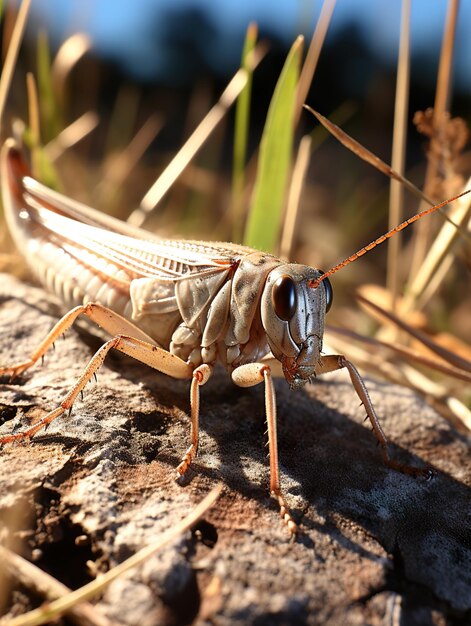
<point>335,362</point>
<point>201,376</point>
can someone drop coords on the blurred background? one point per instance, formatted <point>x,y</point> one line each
<point>176,43</point>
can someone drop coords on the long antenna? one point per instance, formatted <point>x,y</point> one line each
<point>315,283</point>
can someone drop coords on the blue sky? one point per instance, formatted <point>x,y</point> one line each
<point>143,36</point>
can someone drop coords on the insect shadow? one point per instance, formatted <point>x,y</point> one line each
<point>331,466</point>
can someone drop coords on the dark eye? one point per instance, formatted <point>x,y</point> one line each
<point>283,297</point>
<point>329,293</point>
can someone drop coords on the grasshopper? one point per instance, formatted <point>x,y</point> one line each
<point>178,306</point>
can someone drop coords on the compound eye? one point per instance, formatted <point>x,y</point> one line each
<point>329,293</point>
<point>283,297</point>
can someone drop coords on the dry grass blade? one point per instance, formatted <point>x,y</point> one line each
<point>368,156</point>
<point>382,238</point>
<point>403,351</point>
<point>138,145</point>
<point>189,150</point>
<point>33,109</point>
<point>119,165</point>
<point>12,54</point>
<point>436,279</point>
<point>195,141</point>
<point>54,609</point>
<point>122,119</point>
<point>34,123</point>
<point>71,135</point>
<point>456,411</point>
<point>398,158</point>
<point>460,213</point>
<point>442,97</point>
<point>445,354</point>
<point>368,360</point>
<point>33,578</point>
<point>294,196</point>
<point>313,54</point>
<point>68,55</point>
<point>403,374</point>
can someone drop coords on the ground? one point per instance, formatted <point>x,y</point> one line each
<point>375,546</point>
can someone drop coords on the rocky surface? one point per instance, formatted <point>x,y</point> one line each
<point>376,547</point>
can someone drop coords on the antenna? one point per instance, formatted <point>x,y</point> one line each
<point>315,283</point>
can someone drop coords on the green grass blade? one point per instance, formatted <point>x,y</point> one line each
<point>41,166</point>
<point>241,130</point>
<point>50,123</point>
<point>266,214</point>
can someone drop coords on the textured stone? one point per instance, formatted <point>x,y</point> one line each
<point>375,545</point>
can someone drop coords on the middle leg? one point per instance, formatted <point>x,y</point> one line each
<point>247,376</point>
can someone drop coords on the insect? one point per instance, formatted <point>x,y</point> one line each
<point>178,306</point>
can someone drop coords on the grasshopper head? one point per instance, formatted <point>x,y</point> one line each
<point>293,318</point>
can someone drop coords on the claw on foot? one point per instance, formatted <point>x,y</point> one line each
<point>415,472</point>
<point>15,370</point>
<point>285,513</point>
<point>186,461</point>
<point>30,432</point>
<point>15,437</point>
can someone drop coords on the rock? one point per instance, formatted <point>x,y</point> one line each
<point>375,545</point>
